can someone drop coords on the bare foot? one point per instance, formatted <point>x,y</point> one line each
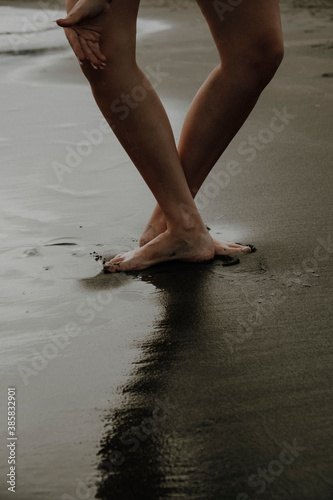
<point>194,246</point>
<point>154,228</point>
<point>158,226</point>
<point>228,248</point>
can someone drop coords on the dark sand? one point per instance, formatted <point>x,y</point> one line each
<point>182,381</point>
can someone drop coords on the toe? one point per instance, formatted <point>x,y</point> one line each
<point>118,258</point>
<point>113,265</point>
<point>111,268</point>
<point>235,245</point>
<point>227,248</point>
<point>239,250</point>
<point>251,248</point>
<point>238,246</point>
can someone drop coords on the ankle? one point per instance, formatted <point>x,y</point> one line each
<point>187,224</point>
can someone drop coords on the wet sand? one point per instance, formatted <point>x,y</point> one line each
<point>182,381</point>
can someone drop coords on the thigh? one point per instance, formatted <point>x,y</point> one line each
<point>119,30</point>
<point>238,24</point>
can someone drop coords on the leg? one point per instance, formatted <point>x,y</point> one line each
<point>249,41</point>
<point>143,129</point>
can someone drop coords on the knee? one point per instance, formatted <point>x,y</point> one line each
<point>263,59</point>
<point>96,77</point>
<point>253,62</point>
<point>120,59</point>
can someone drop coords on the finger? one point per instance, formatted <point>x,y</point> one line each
<point>90,56</point>
<point>74,42</point>
<point>94,47</point>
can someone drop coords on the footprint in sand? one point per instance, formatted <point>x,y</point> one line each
<point>31,252</point>
<point>62,257</point>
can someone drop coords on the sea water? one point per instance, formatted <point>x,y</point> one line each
<point>29,27</point>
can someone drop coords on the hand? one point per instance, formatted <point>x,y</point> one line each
<point>83,28</point>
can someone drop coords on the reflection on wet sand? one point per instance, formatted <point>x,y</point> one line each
<point>180,433</point>
<point>136,455</point>
<point>199,420</point>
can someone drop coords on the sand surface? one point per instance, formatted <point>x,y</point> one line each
<point>183,380</point>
